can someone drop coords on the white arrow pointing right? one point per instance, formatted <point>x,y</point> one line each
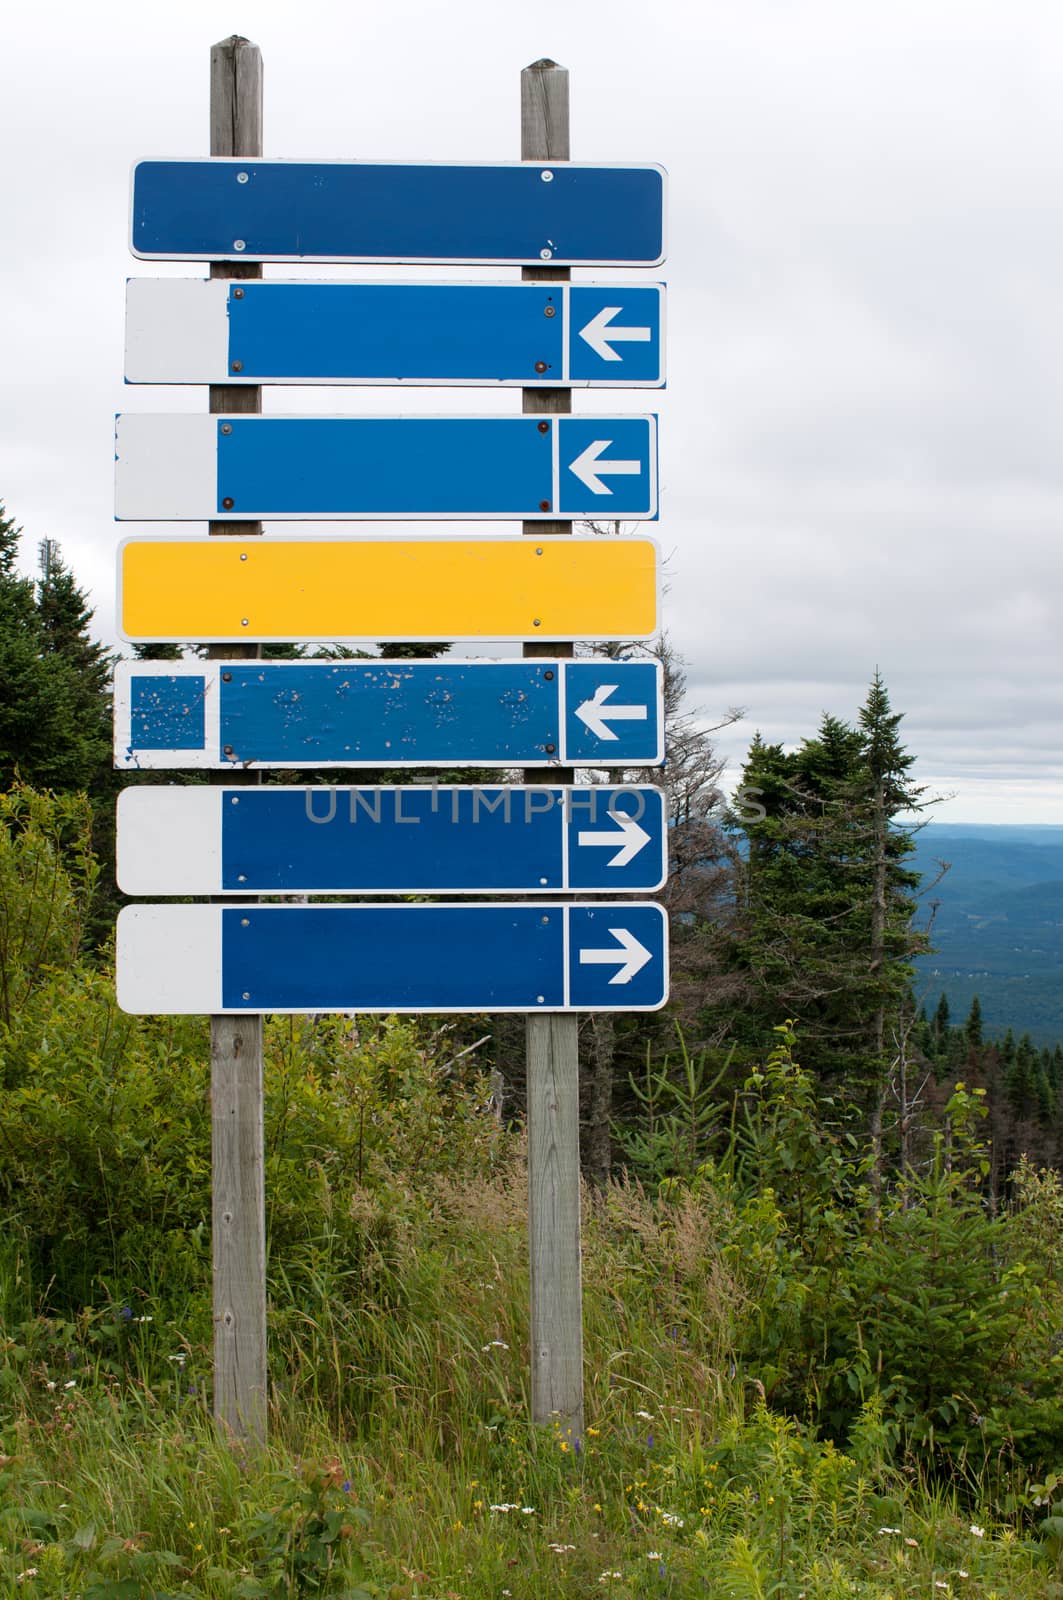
<point>601,337</point>
<point>596,715</point>
<point>631,839</point>
<point>631,957</point>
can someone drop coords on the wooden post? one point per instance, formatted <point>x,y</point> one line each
<point>236,1073</point>
<point>552,1057</point>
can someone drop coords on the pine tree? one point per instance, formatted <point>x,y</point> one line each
<point>53,709</point>
<point>828,895</point>
<point>941,1019</point>
<point>65,616</point>
<point>973,1026</point>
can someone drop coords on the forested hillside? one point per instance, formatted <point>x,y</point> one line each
<point>998,925</point>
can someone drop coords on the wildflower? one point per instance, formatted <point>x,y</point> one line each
<point>564,1444</point>
<point>960,1573</point>
<point>939,1585</point>
<point>143,1319</point>
<point>559,1549</point>
<point>889,1530</point>
<point>653,1555</point>
<point>495,1344</point>
<point>645,1415</point>
<point>592,1433</point>
<point>30,1572</point>
<point>477,1505</point>
<point>913,1542</point>
<point>978,1532</point>
<point>607,1575</point>
<point>527,1511</point>
<point>50,1383</point>
<point>670,1519</point>
<point>597,1507</point>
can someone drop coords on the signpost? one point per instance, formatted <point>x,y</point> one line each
<point>385,588</point>
<point>542,713</point>
<point>395,839</point>
<point>502,213</point>
<point>518,956</point>
<point>205,330</point>
<point>234,713</point>
<point>186,467</point>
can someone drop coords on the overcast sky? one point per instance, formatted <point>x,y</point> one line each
<point>861,459</point>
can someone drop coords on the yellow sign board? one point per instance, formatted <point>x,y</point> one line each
<point>223,589</point>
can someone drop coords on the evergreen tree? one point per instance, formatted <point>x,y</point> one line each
<point>828,897</point>
<point>941,1019</point>
<point>156,651</point>
<point>66,642</point>
<point>53,699</point>
<point>973,1026</point>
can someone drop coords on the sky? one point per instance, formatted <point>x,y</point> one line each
<point>860,441</point>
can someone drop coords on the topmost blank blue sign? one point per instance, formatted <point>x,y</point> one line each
<point>513,212</point>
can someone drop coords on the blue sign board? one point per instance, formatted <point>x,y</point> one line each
<point>245,209</point>
<point>563,335</point>
<point>396,839</point>
<point>542,956</point>
<point>301,714</point>
<point>189,468</point>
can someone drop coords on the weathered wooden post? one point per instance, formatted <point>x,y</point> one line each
<point>556,1322</point>
<point>236,1070</point>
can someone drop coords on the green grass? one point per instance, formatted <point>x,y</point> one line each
<point>400,1461</point>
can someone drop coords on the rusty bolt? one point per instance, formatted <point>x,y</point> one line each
<point>238,366</point>
<point>238,294</point>
<point>549,311</point>
<point>544,505</point>
<point>540,366</point>
<point>228,503</point>
<point>227,750</point>
<point>549,677</point>
<point>544,427</point>
<point>550,748</point>
<point>226,677</point>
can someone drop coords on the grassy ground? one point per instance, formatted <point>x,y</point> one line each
<point>400,1462</point>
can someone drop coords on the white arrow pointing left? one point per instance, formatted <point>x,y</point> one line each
<point>590,470</point>
<point>630,958</point>
<point>601,337</point>
<point>631,840</point>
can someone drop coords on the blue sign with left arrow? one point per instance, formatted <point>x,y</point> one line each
<point>193,468</point>
<point>206,330</point>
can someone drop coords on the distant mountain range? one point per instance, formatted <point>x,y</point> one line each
<point>998,927</point>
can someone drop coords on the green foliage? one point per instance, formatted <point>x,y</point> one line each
<point>47,879</point>
<point>54,710</point>
<point>679,1113</point>
<point>826,931</point>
